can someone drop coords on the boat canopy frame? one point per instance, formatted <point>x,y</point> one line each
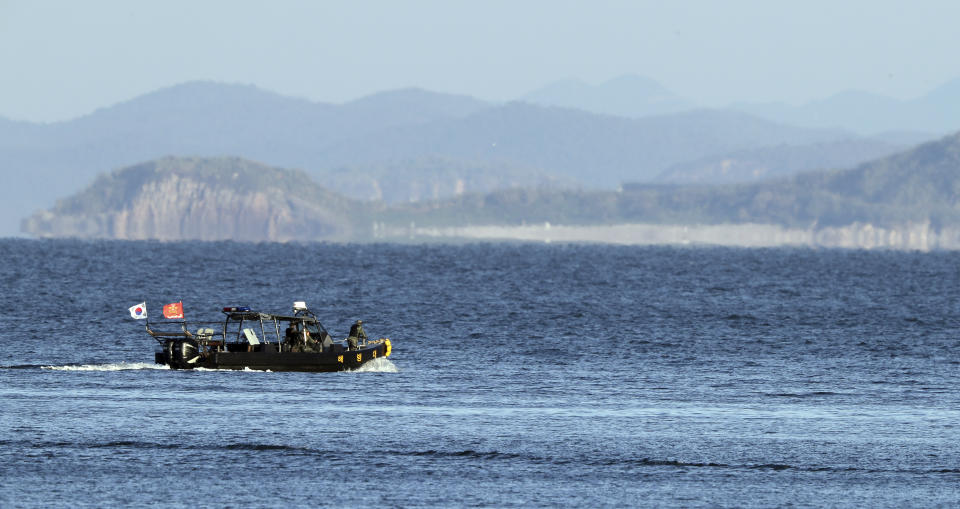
<point>305,320</point>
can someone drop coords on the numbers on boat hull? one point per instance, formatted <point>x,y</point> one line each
<point>359,357</point>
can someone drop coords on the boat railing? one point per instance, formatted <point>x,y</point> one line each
<point>184,329</point>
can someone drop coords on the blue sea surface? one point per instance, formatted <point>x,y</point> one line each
<point>521,375</point>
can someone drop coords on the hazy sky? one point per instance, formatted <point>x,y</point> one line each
<point>63,59</point>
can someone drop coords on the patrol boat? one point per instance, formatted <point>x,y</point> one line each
<point>250,339</point>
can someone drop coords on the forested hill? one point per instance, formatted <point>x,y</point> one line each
<point>919,185</point>
<point>203,199</point>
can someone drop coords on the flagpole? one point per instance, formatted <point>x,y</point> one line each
<point>183,318</point>
<point>146,319</point>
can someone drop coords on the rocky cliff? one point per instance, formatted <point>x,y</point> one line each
<point>200,198</point>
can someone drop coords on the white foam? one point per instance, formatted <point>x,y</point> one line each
<point>246,369</point>
<point>379,365</point>
<point>119,366</point>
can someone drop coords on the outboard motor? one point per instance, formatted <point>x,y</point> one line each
<point>181,353</point>
<point>167,354</point>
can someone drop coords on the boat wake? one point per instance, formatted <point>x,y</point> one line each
<point>227,370</point>
<point>381,365</point>
<point>375,366</point>
<point>119,366</point>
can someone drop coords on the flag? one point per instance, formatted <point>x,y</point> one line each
<point>174,310</point>
<point>139,311</point>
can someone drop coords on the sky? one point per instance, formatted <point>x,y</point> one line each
<point>63,59</point>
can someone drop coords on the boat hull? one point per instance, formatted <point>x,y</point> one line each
<point>336,359</point>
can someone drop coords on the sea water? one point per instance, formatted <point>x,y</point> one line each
<point>521,375</point>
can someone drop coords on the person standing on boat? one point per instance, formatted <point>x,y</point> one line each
<point>292,338</point>
<point>356,333</point>
<point>311,345</point>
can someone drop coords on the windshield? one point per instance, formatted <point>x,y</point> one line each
<point>314,328</point>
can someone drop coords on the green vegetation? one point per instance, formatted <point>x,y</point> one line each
<point>118,190</point>
<point>920,185</point>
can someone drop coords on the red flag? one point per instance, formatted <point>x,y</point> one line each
<point>174,310</point>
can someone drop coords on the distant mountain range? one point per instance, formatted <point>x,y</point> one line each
<point>935,113</point>
<point>396,146</point>
<point>625,96</point>
<point>777,161</point>
<point>595,150</point>
<point>910,199</point>
<point>886,200</point>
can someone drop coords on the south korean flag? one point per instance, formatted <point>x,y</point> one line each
<point>139,311</point>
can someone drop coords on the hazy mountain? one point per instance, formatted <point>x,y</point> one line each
<point>213,117</point>
<point>42,162</point>
<point>919,186</point>
<point>433,178</point>
<point>409,106</point>
<point>904,138</point>
<point>200,198</point>
<point>193,198</point>
<point>595,150</point>
<point>8,127</point>
<point>928,116</point>
<point>937,111</point>
<point>517,142</point>
<point>776,161</point>
<point>627,96</point>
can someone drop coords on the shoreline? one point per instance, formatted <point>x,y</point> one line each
<point>909,237</point>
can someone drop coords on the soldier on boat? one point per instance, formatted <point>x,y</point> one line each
<point>263,341</point>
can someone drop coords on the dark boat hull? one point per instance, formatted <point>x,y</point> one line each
<point>337,359</point>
